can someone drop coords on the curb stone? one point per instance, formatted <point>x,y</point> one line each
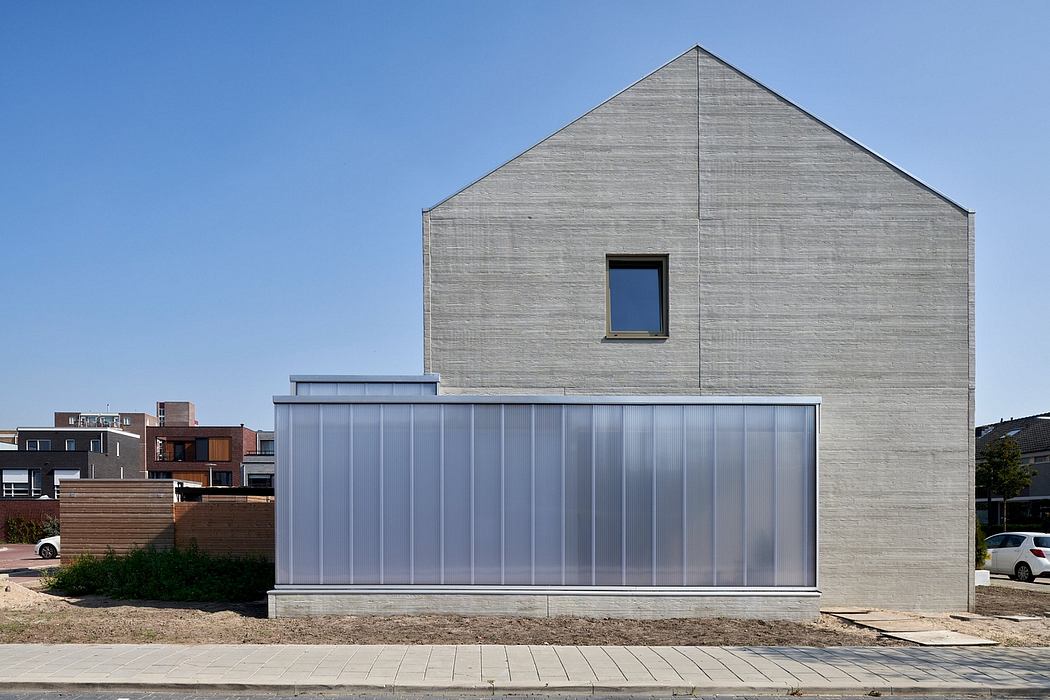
<point>776,689</point>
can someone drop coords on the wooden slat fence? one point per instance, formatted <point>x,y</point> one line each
<point>101,514</point>
<point>122,514</point>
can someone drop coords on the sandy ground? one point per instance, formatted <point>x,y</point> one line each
<point>28,615</point>
<point>1002,600</point>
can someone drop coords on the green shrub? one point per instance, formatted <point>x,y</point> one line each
<point>23,530</point>
<point>174,574</point>
<point>981,549</point>
<point>51,526</point>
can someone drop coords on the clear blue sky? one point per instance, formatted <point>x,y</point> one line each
<point>198,199</point>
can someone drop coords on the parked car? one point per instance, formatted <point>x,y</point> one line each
<point>1019,555</point>
<point>49,547</point>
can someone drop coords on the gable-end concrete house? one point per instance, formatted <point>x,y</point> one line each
<point>792,261</point>
<point>696,353</point>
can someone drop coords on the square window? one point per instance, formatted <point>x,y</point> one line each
<point>71,445</point>
<point>636,296</point>
<point>96,445</point>
<point>222,478</point>
<point>21,483</point>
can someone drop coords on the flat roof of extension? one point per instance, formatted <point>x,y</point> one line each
<point>367,378</point>
<point>556,399</point>
<point>53,429</point>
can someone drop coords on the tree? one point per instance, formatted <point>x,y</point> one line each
<point>1001,472</point>
<point>980,553</point>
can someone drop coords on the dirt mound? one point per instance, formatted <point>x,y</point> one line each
<point>14,595</point>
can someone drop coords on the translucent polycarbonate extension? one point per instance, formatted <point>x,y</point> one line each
<point>546,494</point>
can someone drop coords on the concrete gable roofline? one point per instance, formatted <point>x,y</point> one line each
<point>561,129</point>
<point>700,49</point>
<point>838,131</point>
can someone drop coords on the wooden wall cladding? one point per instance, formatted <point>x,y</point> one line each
<point>101,514</point>
<point>122,514</point>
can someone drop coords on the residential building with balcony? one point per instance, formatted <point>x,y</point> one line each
<point>129,422</point>
<point>207,455</point>
<point>257,468</point>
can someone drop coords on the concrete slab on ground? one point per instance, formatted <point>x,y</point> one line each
<point>968,616</point>
<point>845,610</point>
<point>899,625</point>
<point>941,638</point>
<point>1018,618</point>
<point>875,616</point>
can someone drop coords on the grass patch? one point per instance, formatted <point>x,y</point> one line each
<point>13,628</point>
<point>170,574</point>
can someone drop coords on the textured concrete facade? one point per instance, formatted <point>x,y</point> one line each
<point>779,606</point>
<point>799,263</point>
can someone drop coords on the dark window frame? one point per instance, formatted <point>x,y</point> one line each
<point>665,285</point>
<point>268,478</point>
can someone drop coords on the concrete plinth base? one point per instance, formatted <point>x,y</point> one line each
<point>307,601</point>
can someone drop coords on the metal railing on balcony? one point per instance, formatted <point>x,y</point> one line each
<point>175,458</point>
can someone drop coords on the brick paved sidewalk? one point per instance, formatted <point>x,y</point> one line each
<point>516,669</point>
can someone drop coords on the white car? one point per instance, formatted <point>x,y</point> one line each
<point>1019,555</point>
<point>49,547</point>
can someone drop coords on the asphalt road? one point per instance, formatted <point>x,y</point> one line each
<point>21,563</point>
<point>1040,585</point>
<point>195,696</point>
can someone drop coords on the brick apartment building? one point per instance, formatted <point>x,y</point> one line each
<point>182,413</point>
<point>208,455</point>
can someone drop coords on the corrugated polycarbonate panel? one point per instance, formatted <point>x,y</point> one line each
<point>547,495</point>
<point>365,389</point>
